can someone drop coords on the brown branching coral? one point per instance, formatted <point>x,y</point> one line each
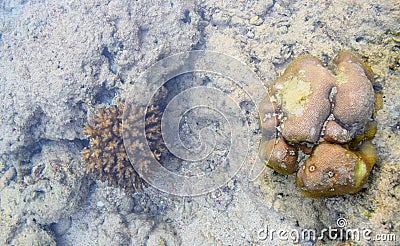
<point>153,132</point>
<point>106,158</point>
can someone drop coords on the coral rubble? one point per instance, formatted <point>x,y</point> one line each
<point>328,118</point>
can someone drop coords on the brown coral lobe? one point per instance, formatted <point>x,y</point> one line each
<point>333,170</point>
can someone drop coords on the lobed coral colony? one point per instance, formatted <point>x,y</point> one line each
<point>106,158</point>
<point>320,125</point>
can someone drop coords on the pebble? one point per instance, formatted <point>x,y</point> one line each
<point>256,20</point>
<point>250,34</point>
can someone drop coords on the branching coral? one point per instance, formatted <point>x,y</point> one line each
<point>106,158</point>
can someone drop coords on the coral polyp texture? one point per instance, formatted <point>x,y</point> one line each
<point>320,125</point>
<point>106,158</point>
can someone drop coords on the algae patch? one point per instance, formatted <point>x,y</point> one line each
<point>360,171</point>
<point>294,95</point>
<point>342,77</point>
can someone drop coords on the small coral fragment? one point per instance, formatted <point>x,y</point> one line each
<point>281,156</point>
<point>106,158</point>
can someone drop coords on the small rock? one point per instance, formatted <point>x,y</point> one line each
<point>256,20</point>
<point>163,234</point>
<point>250,34</point>
<point>32,235</point>
<point>263,6</point>
<point>221,19</point>
<point>235,20</point>
<point>114,231</point>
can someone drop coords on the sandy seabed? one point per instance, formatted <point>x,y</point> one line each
<point>62,60</point>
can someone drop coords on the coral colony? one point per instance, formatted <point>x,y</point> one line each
<point>106,158</point>
<point>320,125</point>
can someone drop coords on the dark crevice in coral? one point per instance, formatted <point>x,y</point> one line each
<point>255,59</point>
<point>142,34</point>
<point>107,54</point>
<point>82,143</point>
<point>396,128</point>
